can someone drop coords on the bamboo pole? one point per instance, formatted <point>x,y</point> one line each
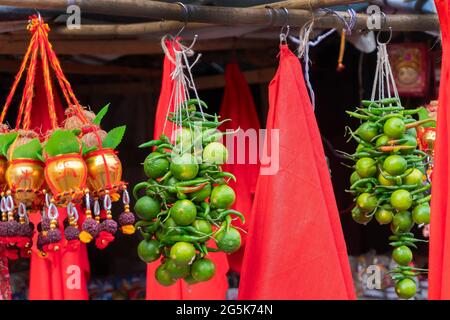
<point>227,15</point>
<point>308,4</point>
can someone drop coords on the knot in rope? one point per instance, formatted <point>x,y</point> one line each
<point>36,23</point>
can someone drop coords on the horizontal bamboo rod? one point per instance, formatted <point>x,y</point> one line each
<point>228,15</point>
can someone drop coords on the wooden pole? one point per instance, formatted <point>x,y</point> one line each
<point>228,15</point>
<point>308,4</point>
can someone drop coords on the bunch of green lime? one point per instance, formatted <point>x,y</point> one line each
<point>185,204</point>
<point>389,180</point>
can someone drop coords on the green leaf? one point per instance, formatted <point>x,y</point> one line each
<point>98,118</point>
<point>114,137</point>
<point>30,150</point>
<point>62,142</point>
<point>86,150</point>
<point>40,157</point>
<point>76,132</point>
<point>5,142</point>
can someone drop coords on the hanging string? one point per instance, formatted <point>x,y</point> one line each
<point>304,43</point>
<point>47,81</point>
<point>30,48</point>
<point>384,82</point>
<point>183,82</point>
<point>29,86</point>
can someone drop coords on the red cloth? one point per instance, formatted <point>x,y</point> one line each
<point>238,105</point>
<point>214,289</point>
<point>295,248</point>
<point>439,254</point>
<point>54,277</point>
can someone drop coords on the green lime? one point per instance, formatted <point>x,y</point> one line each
<point>395,165</point>
<point>183,140</point>
<point>202,195</point>
<point>402,255</point>
<point>203,269</point>
<point>411,132</point>
<point>366,167</point>
<point>394,128</point>
<point>222,196</point>
<point>354,177</point>
<point>421,214</point>
<point>148,250</point>
<point>411,141</point>
<point>155,167</point>
<point>406,288</point>
<point>177,271</point>
<point>215,153</point>
<point>385,182</point>
<point>163,276</point>
<point>147,208</point>
<point>184,167</point>
<point>190,280</point>
<point>382,140</point>
<point>183,212</point>
<point>228,241</point>
<point>401,200</point>
<point>202,226</point>
<point>360,217</point>
<point>402,222</point>
<point>182,253</point>
<point>367,131</point>
<point>414,178</point>
<point>367,202</point>
<point>384,216</point>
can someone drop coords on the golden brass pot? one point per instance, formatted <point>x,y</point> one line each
<point>66,176</point>
<point>3,167</point>
<point>104,170</point>
<point>25,178</point>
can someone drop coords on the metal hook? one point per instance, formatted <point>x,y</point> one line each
<point>270,12</point>
<point>388,40</point>
<point>284,32</point>
<point>38,15</point>
<point>186,18</point>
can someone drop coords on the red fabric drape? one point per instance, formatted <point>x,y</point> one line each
<point>439,254</point>
<point>54,277</point>
<point>238,105</point>
<point>217,286</point>
<point>295,248</point>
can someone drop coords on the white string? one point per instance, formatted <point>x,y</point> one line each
<point>183,83</point>
<point>384,81</point>
<point>304,43</point>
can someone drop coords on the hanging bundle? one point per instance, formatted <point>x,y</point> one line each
<point>61,160</point>
<point>187,199</point>
<point>389,180</point>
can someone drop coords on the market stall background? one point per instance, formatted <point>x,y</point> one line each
<point>125,71</point>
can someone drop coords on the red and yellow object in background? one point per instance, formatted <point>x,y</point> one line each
<point>410,68</point>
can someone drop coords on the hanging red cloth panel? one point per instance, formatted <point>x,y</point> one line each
<point>295,248</point>
<point>439,254</point>
<point>214,289</point>
<point>238,105</point>
<point>62,274</point>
